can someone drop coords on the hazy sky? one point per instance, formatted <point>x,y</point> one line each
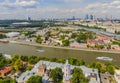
<point>37,9</point>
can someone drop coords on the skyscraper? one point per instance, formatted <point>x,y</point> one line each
<point>91,17</point>
<point>29,19</point>
<point>73,18</point>
<point>87,17</point>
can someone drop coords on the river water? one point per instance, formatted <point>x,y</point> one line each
<point>88,56</point>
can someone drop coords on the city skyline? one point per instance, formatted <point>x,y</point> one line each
<point>39,9</point>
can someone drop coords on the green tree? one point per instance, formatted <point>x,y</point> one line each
<point>2,62</point>
<point>56,75</point>
<point>82,38</point>
<point>35,79</point>
<point>110,69</point>
<point>96,65</point>
<point>100,46</point>
<point>109,46</point>
<point>7,80</point>
<point>78,76</point>
<point>62,37</point>
<point>2,36</point>
<point>33,59</point>
<point>39,39</point>
<point>15,57</point>
<point>24,58</point>
<point>65,42</point>
<point>77,62</point>
<point>28,68</point>
<point>74,35</point>
<point>1,55</point>
<point>18,65</point>
<point>82,62</point>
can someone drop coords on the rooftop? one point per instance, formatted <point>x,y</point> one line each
<point>117,72</point>
<point>6,70</point>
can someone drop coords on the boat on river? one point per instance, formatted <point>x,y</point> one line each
<point>40,50</point>
<point>104,58</point>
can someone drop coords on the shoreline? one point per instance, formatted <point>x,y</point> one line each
<point>67,48</point>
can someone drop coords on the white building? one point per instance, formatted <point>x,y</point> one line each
<point>66,68</point>
<point>67,73</point>
<point>13,34</point>
<point>117,76</point>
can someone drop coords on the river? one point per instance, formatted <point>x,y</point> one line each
<point>49,52</point>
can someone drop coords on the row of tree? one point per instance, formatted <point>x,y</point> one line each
<point>7,80</point>
<point>17,64</point>
<point>107,67</point>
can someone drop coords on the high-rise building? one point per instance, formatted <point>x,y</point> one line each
<point>73,18</point>
<point>87,17</point>
<point>91,17</point>
<point>29,18</point>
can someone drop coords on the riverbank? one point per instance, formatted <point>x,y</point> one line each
<point>68,48</point>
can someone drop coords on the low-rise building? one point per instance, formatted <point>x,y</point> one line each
<point>13,34</point>
<point>117,76</point>
<point>91,42</point>
<point>115,47</point>
<point>78,45</point>
<point>5,71</point>
<point>103,37</point>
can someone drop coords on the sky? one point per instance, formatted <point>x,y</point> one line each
<point>43,9</point>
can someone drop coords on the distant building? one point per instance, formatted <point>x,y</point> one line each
<point>20,24</point>
<point>103,37</point>
<point>13,34</point>
<point>111,29</point>
<point>87,17</point>
<point>73,18</point>
<point>29,19</point>
<point>91,17</point>
<point>100,20</point>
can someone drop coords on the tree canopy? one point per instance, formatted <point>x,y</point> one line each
<point>56,75</point>
<point>65,42</point>
<point>78,76</point>
<point>39,39</point>
<point>7,80</point>
<point>35,79</point>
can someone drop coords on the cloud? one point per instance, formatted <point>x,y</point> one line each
<point>114,4</point>
<point>72,0</point>
<point>107,8</point>
<point>27,3</point>
<point>57,8</point>
<point>20,4</point>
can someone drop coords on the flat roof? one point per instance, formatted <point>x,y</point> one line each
<point>117,72</point>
